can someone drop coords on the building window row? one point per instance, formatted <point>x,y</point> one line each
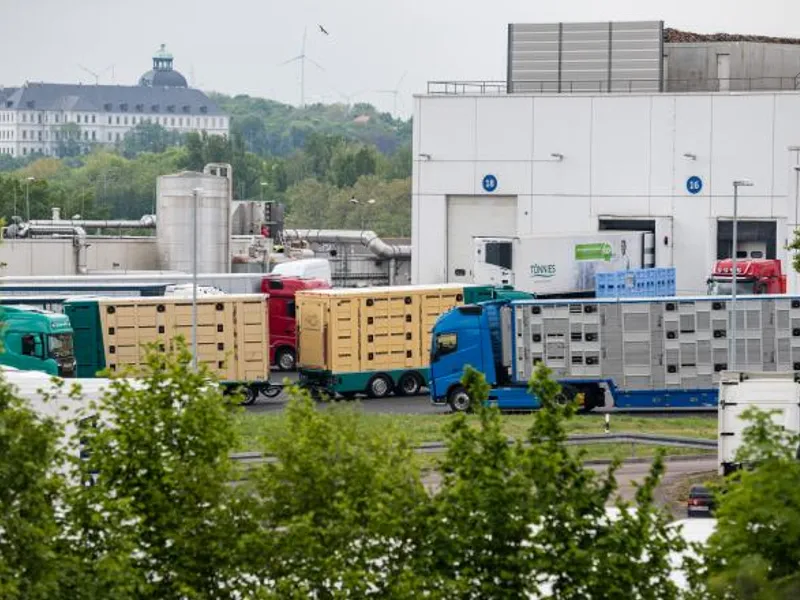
<point>197,122</point>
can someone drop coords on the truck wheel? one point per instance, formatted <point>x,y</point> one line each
<point>409,384</point>
<point>286,359</point>
<point>379,386</point>
<point>272,391</point>
<point>249,395</point>
<point>459,399</point>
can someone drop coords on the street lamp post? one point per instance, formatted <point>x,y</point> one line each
<point>28,197</point>
<point>735,243</point>
<point>369,202</point>
<point>195,198</point>
<point>263,185</point>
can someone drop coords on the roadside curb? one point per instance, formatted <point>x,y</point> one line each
<point>600,462</point>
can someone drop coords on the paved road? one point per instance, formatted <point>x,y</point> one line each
<point>415,405</point>
<point>420,404</point>
<point>630,474</point>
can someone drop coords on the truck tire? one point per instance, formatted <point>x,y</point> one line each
<point>249,395</point>
<point>272,391</point>
<point>459,399</point>
<point>379,386</point>
<point>286,360</point>
<point>409,384</point>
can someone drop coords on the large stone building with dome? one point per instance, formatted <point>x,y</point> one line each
<point>46,118</point>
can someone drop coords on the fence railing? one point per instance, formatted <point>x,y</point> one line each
<point>490,87</point>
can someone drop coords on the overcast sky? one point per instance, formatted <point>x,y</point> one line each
<point>236,46</point>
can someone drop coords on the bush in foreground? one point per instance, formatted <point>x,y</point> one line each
<point>342,512</point>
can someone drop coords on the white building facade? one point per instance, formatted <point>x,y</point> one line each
<point>43,118</point>
<point>522,164</point>
<point>24,132</point>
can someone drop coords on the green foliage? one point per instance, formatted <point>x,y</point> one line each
<point>29,489</point>
<point>71,141</point>
<point>273,149</point>
<point>271,128</point>
<point>148,137</point>
<point>755,551</point>
<point>511,520</point>
<point>315,204</point>
<point>337,506</point>
<point>795,247</point>
<point>478,525</point>
<point>161,520</point>
<point>584,553</point>
<point>341,512</point>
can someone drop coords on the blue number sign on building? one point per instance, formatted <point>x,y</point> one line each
<point>490,183</point>
<point>694,184</point>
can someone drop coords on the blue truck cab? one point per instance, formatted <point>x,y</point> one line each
<point>477,335</point>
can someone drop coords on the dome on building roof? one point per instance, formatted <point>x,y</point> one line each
<point>162,53</point>
<point>162,73</point>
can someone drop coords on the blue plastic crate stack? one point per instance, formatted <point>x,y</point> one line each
<point>636,283</point>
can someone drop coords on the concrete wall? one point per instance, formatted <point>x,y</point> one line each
<point>19,257</point>
<point>753,66</point>
<point>623,157</point>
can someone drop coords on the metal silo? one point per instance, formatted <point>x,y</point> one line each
<point>174,229</point>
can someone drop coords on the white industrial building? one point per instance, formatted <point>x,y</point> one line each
<point>489,161</point>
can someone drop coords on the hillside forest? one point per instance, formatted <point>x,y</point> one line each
<point>312,160</point>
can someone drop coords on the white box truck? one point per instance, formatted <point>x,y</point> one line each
<point>739,391</point>
<point>562,265</point>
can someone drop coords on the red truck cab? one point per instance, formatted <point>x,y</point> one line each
<point>282,324</point>
<point>753,276</point>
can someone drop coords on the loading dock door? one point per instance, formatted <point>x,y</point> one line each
<point>475,216</point>
<point>755,239</point>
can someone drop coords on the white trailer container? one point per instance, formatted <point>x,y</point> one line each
<point>738,391</point>
<point>560,265</point>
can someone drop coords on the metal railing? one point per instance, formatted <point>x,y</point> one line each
<point>708,445</point>
<point>740,84</point>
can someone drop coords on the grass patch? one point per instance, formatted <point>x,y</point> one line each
<point>428,428</point>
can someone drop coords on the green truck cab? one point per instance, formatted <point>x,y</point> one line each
<point>37,340</point>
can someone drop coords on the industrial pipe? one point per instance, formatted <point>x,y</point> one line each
<point>77,233</point>
<point>146,222</point>
<point>368,239</point>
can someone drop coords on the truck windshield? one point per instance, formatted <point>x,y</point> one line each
<point>59,345</point>
<point>717,287</point>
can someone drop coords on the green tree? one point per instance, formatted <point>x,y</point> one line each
<point>348,163</point>
<point>754,552</point>
<point>30,489</point>
<point>478,524</point>
<point>308,203</point>
<point>195,152</point>
<point>70,142</point>
<point>338,506</point>
<point>517,520</point>
<point>320,149</point>
<point>161,520</point>
<point>579,552</point>
<point>148,137</point>
<point>287,129</point>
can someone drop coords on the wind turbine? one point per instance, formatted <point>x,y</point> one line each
<point>395,93</point>
<point>302,57</point>
<point>348,97</point>
<point>97,75</point>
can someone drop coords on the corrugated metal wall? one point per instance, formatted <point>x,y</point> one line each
<point>585,57</point>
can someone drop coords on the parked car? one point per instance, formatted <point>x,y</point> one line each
<point>701,502</point>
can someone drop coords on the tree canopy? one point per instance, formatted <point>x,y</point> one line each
<point>277,153</point>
